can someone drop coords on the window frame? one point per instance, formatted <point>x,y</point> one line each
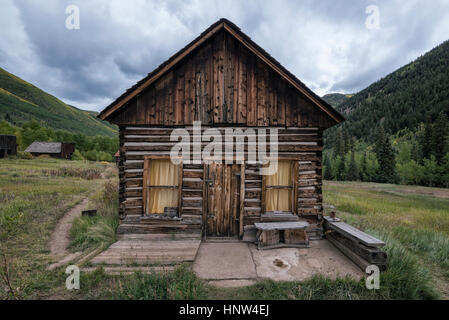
<point>145,185</point>
<point>294,167</point>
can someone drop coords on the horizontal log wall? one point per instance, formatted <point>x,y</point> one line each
<point>304,144</point>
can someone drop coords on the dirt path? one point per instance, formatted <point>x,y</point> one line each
<point>59,240</point>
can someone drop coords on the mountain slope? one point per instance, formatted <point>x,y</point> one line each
<point>336,99</point>
<point>21,101</point>
<point>411,95</point>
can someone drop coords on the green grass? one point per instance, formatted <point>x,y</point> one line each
<point>31,204</point>
<point>98,231</point>
<point>36,193</point>
<point>414,219</point>
<point>182,283</point>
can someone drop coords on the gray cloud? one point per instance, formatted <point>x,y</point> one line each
<point>324,43</point>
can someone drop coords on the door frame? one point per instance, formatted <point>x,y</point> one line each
<point>240,214</point>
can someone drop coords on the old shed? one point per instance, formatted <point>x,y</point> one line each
<point>225,81</point>
<point>8,145</point>
<point>54,149</point>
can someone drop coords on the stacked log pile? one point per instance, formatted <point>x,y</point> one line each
<point>363,249</point>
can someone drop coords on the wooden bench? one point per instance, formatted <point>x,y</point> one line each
<point>281,234</point>
<point>353,233</point>
<point>362,248</point>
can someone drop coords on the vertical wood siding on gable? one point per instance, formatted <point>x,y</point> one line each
<point>221,82</point>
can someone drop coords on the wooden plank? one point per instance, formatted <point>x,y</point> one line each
<point>180,173</point>
<point>278,217</point>
<point>359,261</point>
<point>295,187</point>
<point>146,168</point>
<point>281,225</point>
<point>206,197</point>
<point>267,238</point>
<point>354,233</point>
<point>296,236</point>
<point>242,199</point>
<point>371,254</point>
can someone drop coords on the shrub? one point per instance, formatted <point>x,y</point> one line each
<point>88,174</point>
<point>24,155</point>
<point>77,155</point>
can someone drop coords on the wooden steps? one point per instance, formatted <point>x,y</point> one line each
<point>159,236</point>
<point>144,250</point>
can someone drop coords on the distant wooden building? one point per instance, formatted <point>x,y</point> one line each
<point>8,145</point>
<point>54,149</point>
<point>226,81</point>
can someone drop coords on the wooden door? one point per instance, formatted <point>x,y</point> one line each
<point>223,200</point>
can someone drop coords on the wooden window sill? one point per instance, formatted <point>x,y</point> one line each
<point>158,217</point>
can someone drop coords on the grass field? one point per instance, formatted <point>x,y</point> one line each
<point>415,218</point>
<point>34,194</point>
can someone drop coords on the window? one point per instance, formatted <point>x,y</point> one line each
<point>279,188</point>
<point>161,186</point>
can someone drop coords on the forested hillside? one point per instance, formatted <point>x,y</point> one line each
<point>336,99</point>
<point>20,101</point>
<point>397,128</point>
<point>34,115</point>
<point>413,94</point>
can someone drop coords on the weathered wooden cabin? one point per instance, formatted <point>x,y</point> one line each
<point>62,150</point>
<point>8,145</point>
<point>225,80</point>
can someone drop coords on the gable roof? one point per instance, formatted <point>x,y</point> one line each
<point>44,147</point>
<point>235,31</point>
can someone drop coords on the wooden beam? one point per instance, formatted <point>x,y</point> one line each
<point>205,198</point>
<point>295,187</point>
<point>242,198</point>
<point>180,174</point>
<point>146,179</point>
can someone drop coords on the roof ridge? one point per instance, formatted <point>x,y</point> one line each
<point>223,22</point>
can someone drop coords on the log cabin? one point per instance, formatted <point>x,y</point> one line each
<point>223,80</point>
<point>62,150</point>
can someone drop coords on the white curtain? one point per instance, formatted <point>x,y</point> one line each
<point>279,199</point>
<point>162,173</point>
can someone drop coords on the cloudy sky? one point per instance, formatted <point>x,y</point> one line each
<point>332,46</point>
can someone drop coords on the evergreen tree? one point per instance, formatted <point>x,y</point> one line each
<point>347,141</point>
<point>415,153</point>
<point>385,157</point>
<point>327,168</point>
<point>353,170</point>
<point>364,169</point>
<point>340,174</point>
<point>339,144</point>
<point>426,141</point>
<point>439,138</point>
